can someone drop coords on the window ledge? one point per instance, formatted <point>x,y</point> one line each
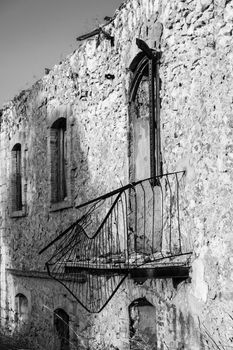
<point>18,213</point>
<point>60,205</point>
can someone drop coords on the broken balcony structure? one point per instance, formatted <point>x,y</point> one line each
<point>132,231</point>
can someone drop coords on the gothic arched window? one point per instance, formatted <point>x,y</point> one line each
<point>145,159</point>
<point>144,98</point>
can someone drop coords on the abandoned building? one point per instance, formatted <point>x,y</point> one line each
<point>116,188</point>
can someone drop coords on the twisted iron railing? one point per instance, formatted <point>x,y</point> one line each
<point>134,229</point>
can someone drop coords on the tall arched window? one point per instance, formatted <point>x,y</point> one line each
<point>58,146</point>
<point>22,314</point>
<point>16,180</point>
<point>145,159</point>
<point>144,99</point>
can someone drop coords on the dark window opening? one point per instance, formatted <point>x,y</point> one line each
<point>142,325</point>
<point>61,325</point>
<point>21,304</point>
<point>58,145</point>
<point>16,183</point>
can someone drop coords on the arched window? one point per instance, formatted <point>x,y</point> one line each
<point>21,304</point>
<point>144,99</point>
<point>61,325</point>
<point>16,180</point>
<point>58,146</point>
<point>145,159</point>
<point>142,324</point>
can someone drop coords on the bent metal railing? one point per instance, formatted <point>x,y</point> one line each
<point>134,229</point>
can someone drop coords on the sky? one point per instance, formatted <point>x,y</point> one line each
<point>37,34</point>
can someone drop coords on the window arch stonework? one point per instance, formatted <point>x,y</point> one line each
<point>144,115</point>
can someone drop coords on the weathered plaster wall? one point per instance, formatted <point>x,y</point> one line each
<point>196,123</point>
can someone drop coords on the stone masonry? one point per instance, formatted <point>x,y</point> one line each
<point>196,72</point>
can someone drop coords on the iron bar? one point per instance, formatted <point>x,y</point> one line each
<point>153,123</point>
<point>178,213</point>
<point>123,188</point>
<point>126,231</point>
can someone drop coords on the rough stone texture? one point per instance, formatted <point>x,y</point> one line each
<point>196,126</point>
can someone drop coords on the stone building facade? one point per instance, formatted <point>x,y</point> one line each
<point>83,130</point>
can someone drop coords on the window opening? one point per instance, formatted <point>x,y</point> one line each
<point>58,144</point>
<point>142,325</point>
<point>145,115</point>
<point>145,150</point>
<point>16,178</point>
<point>61,324</point>
<point>21,309</point>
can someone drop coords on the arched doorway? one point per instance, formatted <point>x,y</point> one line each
<point>61,325</point>
<point>142,325</point>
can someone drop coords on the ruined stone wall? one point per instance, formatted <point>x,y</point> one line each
<point>196,135</point>
<point>196,114</point>
<point>39,330</point>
